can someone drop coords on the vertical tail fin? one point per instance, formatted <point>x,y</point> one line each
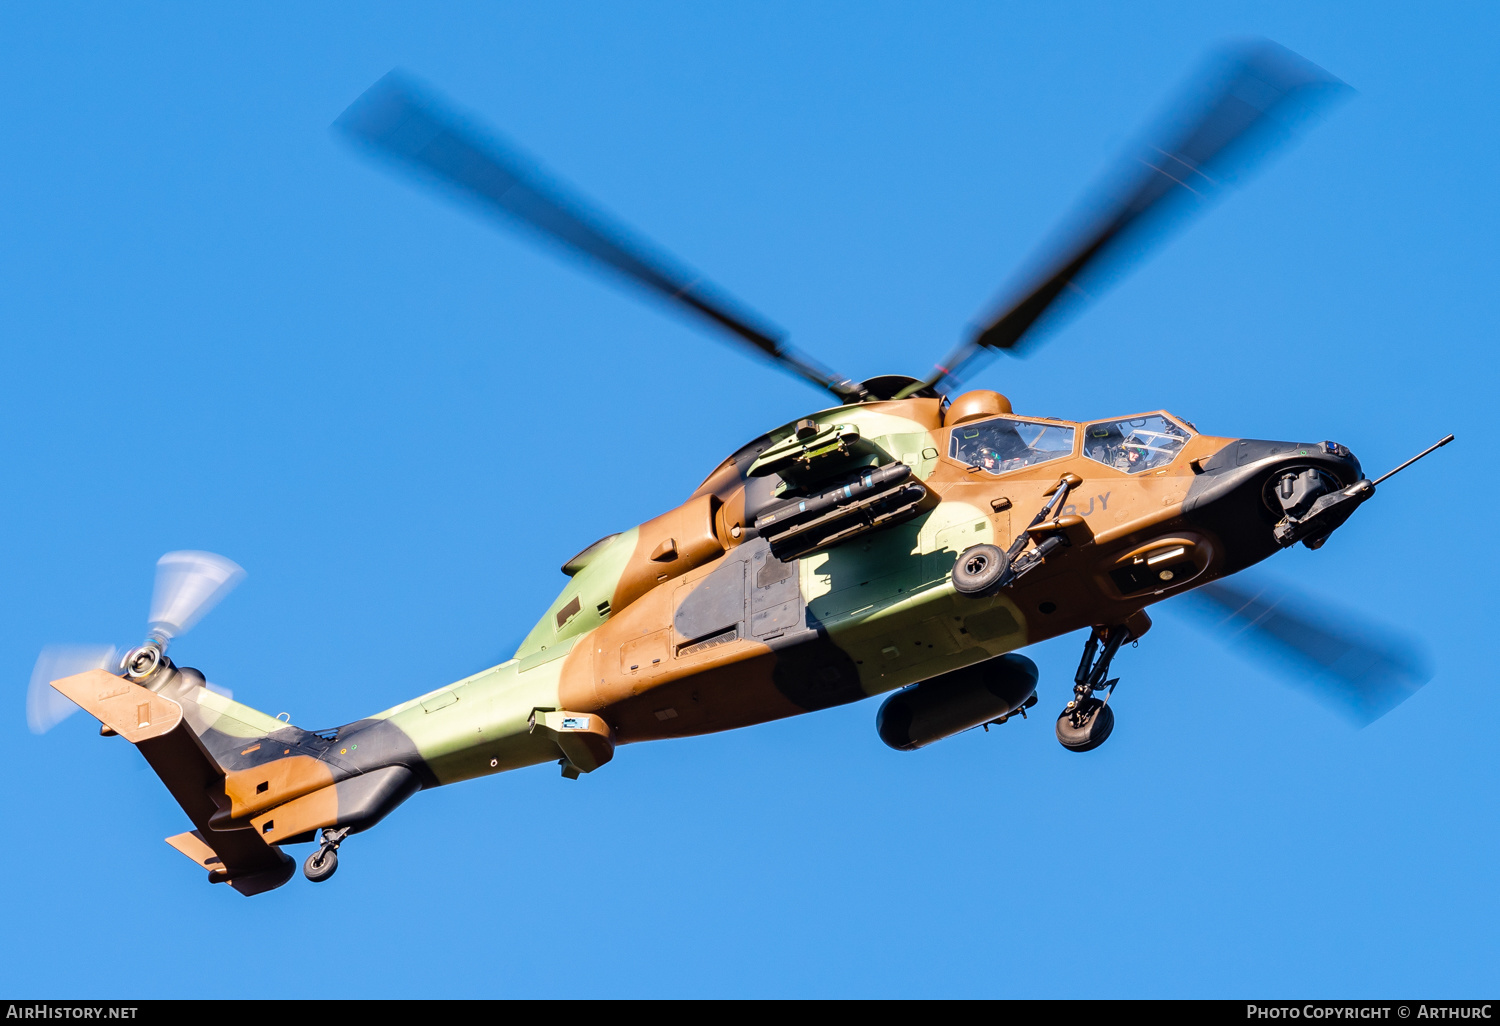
<point>158,727</point>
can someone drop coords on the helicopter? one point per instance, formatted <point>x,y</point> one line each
<point>908,540</point>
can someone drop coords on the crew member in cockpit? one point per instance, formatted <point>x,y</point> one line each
<point>1132,456</point>
<point>1000,446</point>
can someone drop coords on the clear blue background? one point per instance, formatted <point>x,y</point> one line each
<point>223,330</point>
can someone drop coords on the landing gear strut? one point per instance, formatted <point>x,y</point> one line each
<point>1086,721</point>
<point>985,569</point>
<point>320,865</point>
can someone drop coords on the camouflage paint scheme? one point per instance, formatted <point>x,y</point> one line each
<point>747,603</point>
<point>687,624</point>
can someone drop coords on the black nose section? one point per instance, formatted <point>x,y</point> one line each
<point>1252,494</point>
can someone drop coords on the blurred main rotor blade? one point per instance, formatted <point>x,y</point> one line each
<point>399,121</point>
<point>1248,99</point>
<point>1361,670</point>
<point>188,585</point>
<point>46,707</point>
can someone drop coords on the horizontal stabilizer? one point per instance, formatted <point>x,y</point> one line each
<point>196,848</point>
<point>130,710</point>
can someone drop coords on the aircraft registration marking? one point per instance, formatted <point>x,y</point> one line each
<point>1103,501</point>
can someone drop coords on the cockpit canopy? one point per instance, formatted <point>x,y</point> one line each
<point>1007,443</point>
<point>1136,444</point>
<point>1132,445</point>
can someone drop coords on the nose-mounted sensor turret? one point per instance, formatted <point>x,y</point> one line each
<point>1315,506</point>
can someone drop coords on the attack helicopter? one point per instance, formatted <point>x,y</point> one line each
<point>908,540</point>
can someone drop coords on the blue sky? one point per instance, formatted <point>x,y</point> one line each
<point>223,330</point>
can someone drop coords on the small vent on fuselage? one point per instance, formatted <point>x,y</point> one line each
<point>711,641</point>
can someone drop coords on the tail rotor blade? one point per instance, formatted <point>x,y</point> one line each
<point>1362,670</point>
<point>46,707</point>
<point>188,585</point>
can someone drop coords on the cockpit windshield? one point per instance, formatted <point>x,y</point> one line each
<point>1002,444</point>
<point>1136,444</point>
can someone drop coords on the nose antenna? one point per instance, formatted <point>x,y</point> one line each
<point>1424,452</point>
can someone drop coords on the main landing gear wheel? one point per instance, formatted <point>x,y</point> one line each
<point>979,569</point>
<point>320,865</point>
<point>1086,722</point>
<point>1086,727</point>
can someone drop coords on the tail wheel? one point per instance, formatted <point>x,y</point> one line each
<point>320,865</point>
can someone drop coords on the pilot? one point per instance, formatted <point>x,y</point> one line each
<point>1132,456</point>
<point>1003,449</point>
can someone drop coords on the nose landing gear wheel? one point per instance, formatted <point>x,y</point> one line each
<point>320,865</point>
<point>1085,727</point>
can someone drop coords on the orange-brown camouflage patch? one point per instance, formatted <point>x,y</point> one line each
<point>298,816</point>
<point>262,787</point>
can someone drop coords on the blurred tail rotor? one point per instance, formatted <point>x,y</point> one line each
<point>46,707</point>
<point>188,585</point>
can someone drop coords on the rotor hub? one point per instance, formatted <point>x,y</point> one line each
<point>143,662</point>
